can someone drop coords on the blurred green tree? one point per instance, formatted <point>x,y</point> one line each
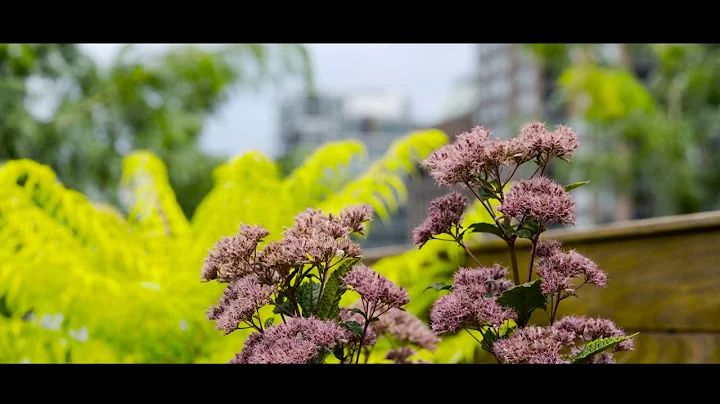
<point>60,108</point>
<point>654,112</point>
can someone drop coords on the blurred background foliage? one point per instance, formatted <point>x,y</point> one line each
<point>648,121</point>
<point>156,102</point>
<point>82,282</point>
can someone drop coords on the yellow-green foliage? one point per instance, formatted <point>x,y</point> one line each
<point>131,282</point>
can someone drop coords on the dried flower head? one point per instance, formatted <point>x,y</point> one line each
<point>240,301</point>
<point>378,291</point>
<point>536,345</point>
<point>406,328</point>
<point>493,279</point>
<point>297,341</point>
<point>460,160</point>
<point>559,269</point>
<point>444,214</point>
<point>560,143</point>
<point>229,258</point>
<point>541,199</point>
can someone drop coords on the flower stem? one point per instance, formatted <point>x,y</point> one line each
<point>467,250</point>
<point>532,257</point>
<point>514,261</point>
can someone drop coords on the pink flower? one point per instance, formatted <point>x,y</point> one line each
<point>535,345</point>
<point>539,198</point>
<point>378,291</point>
<point>546,248</point>
<point>458,161</point>
<point>354,217</point>
<point>559,269</point>
<point>406,328</point>
<point>560,143</point>
<point>231,255</point>
<point>588,329</point>
<point>297,340</point>
<point>443,216</point>
<point>240,301</point>
<point>493,279</point>
<point>400,355</point>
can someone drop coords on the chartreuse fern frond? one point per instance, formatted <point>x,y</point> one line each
<point>133,282</point>
<point>381,184</point>
<point>152,205</point>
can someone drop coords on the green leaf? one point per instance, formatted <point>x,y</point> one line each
<point>269,322</point>
<point>339,352</point>
<point>358,311</point>
<point>307,296</point>
<point>353,326</point>
<point>599,345</point>
<point>374,319</point>
<point>574,185</point>
<point>484,194</point>
<point>485,228</point>
<point>329,307</point>
<point>488,339</point>
<point>529,229</point>
<point>438,286</point>
<point>282,306</point>
<point>524,299</point>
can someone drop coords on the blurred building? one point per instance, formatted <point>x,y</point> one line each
<point>512,89</point>
<point>375,118</point>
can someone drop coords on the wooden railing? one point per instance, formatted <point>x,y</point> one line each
<point>664,282</point>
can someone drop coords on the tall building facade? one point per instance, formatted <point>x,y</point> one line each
<point>375,118</point>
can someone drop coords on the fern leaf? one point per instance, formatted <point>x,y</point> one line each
<point>151,201</point>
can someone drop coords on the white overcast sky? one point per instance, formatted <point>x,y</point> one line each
<point>424,72</point>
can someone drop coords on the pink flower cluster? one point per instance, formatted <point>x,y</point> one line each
<point>535,345</point>
<point>475,155</point>
<point>296,341</point>
<point>541,199</point>
<point>406,328</point>
<point>241,299</point>
<point>459,161</point>
<point>314,238</point>
<point>472,303</point>
<point>556,344</point>
<point>494,279</point>
<point>231,255</point>
<point>561,143</point>
<point>377,291</point>
<point>444,214</point>
<point>557,269</point>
